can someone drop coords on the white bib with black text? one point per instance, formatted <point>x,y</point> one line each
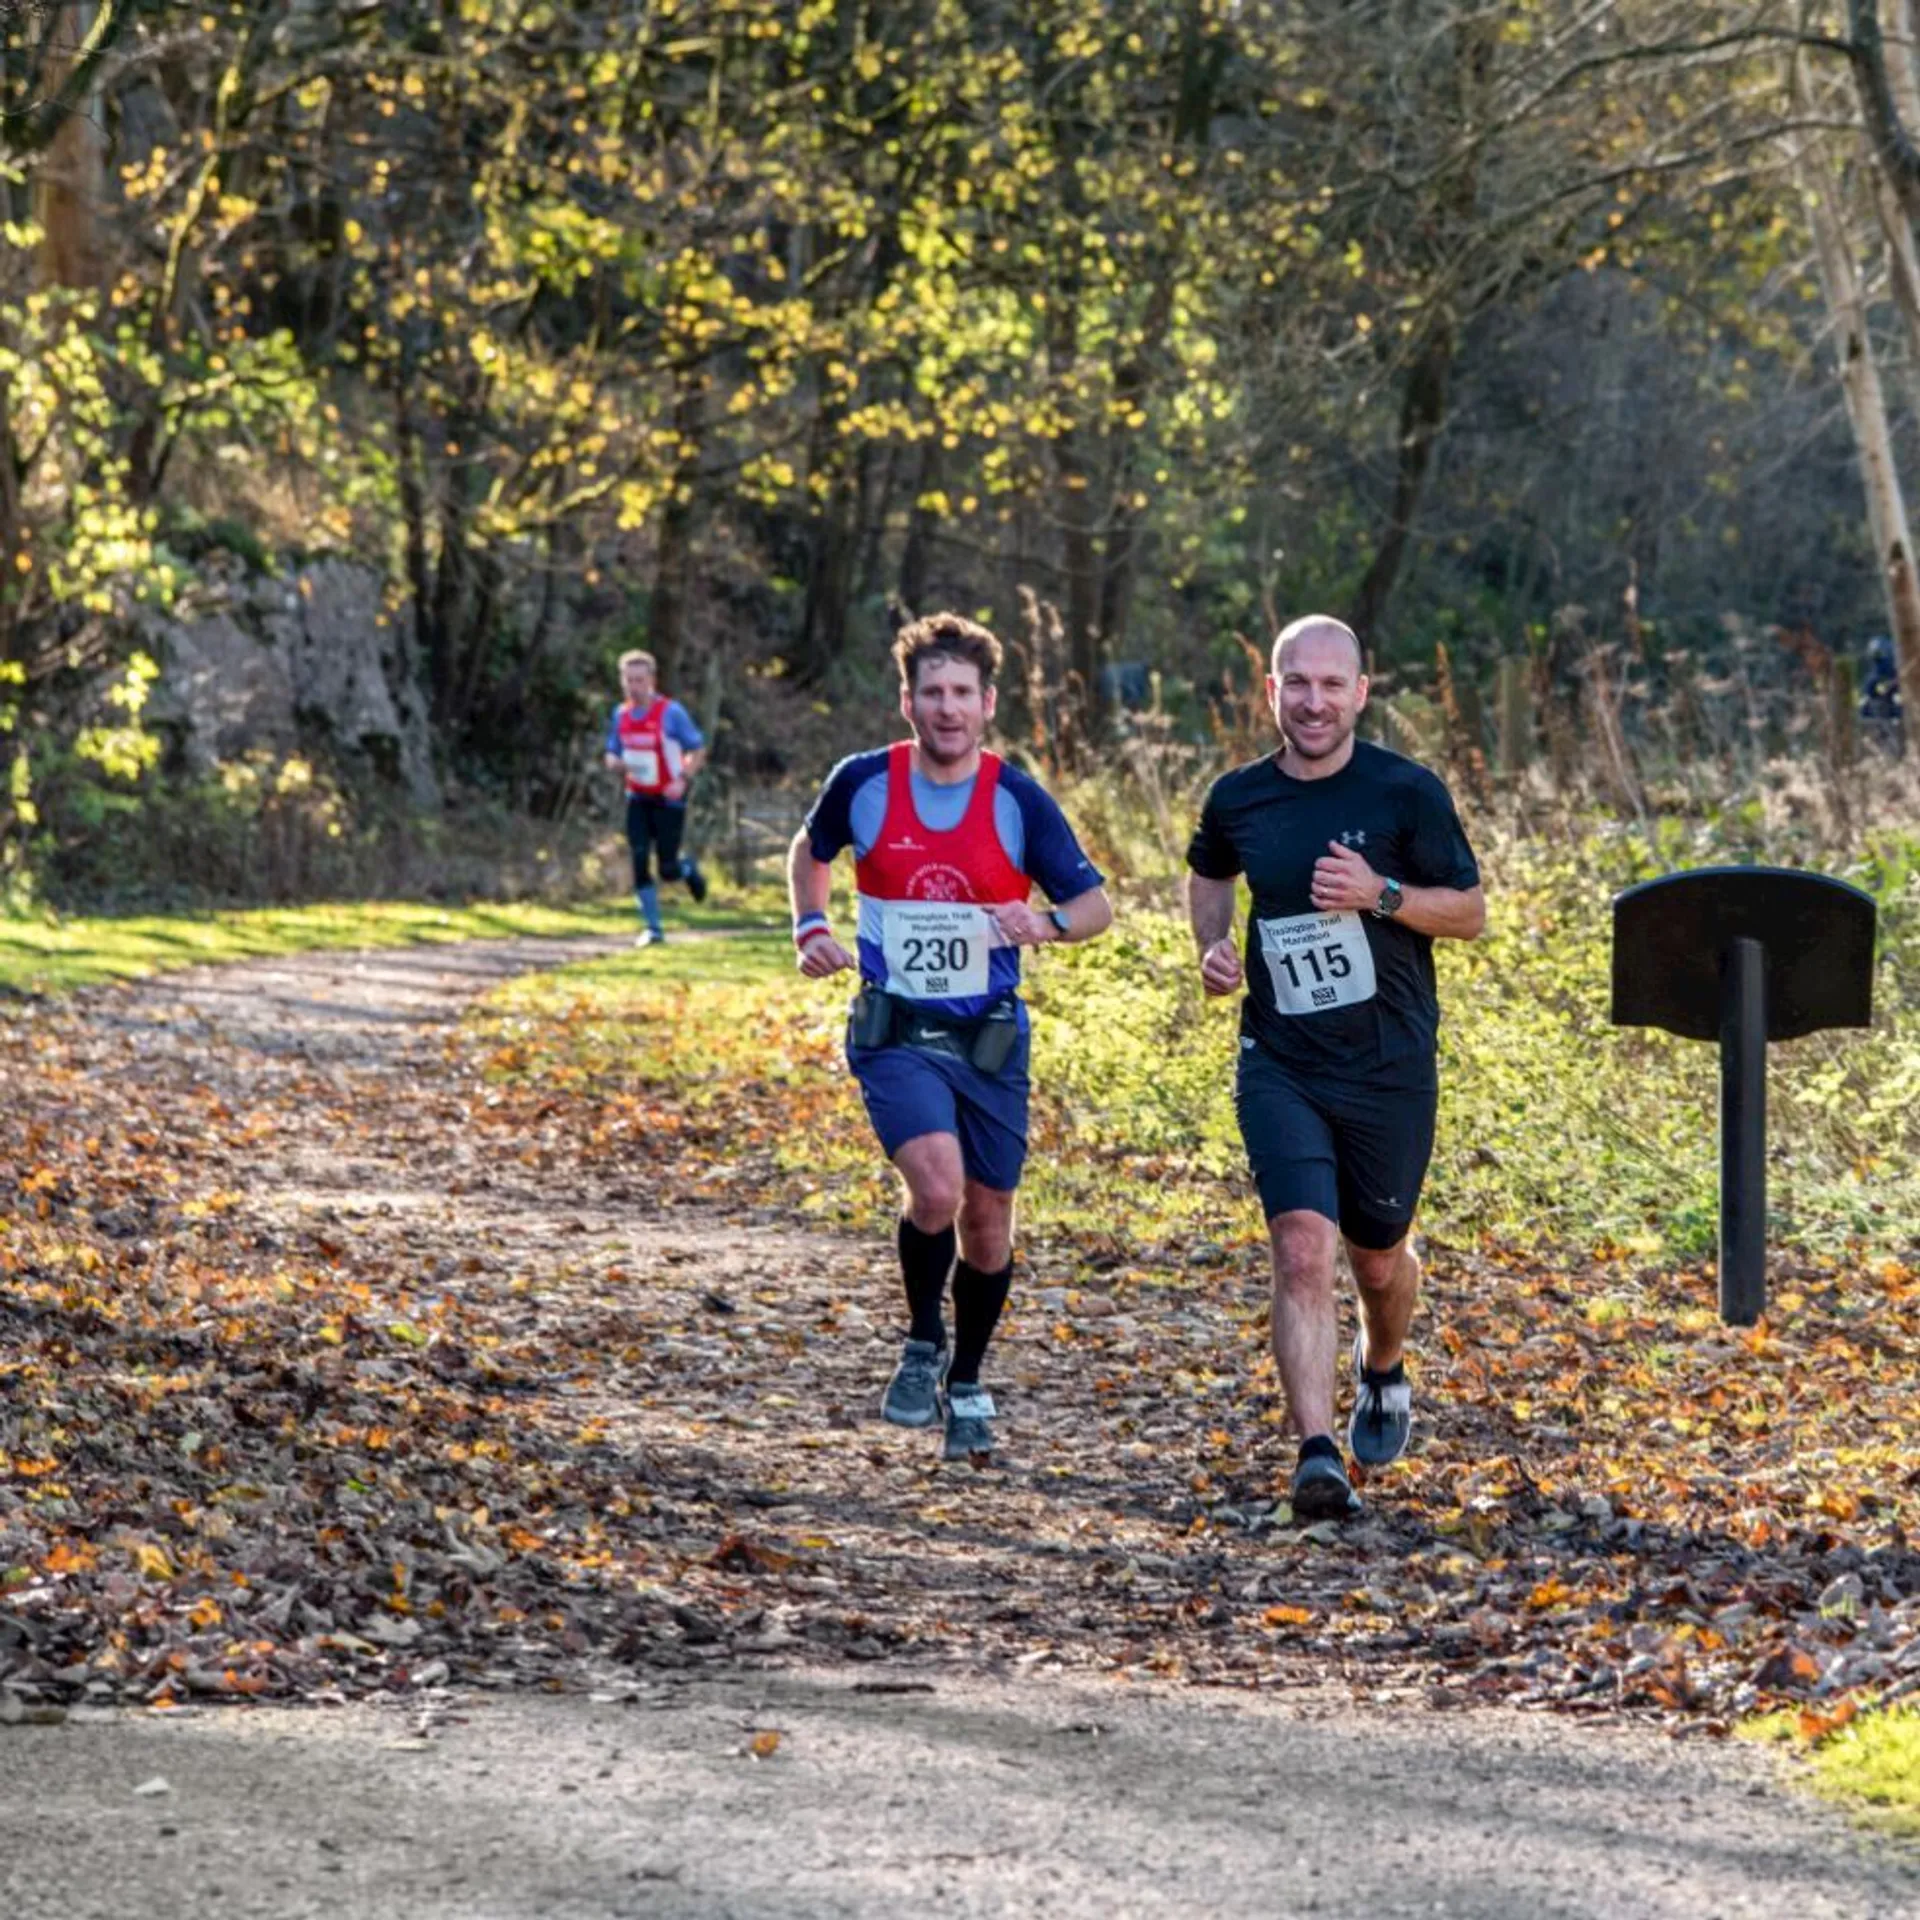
<point>936,949</point>
<point>1318,961</point>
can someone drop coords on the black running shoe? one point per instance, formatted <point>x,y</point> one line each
<point>969,1434</point>
<point>912,1398</point>
<point>1322,1491</point>
<point>1382,1411</point>
<point>695,879</point>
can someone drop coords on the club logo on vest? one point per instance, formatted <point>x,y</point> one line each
<point>937,881</point>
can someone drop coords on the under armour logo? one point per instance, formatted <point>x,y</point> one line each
<point>1356,839</point>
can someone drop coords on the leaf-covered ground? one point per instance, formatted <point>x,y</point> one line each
<point>343,1349</point>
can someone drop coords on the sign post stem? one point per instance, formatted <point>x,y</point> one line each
<point>1743,1132</point>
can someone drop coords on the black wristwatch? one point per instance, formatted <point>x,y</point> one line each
<point>1391,900</point>
<point>1058,915</point>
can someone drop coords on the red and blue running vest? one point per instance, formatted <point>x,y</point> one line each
<point>926,932</point>
<point>967,863</point>
<point>653,760</point>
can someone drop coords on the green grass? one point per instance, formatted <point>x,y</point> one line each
<point>1557,1129</point>
<point>47,955</point>
<point>1871,1765</point>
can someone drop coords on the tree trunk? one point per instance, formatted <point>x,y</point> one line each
<point>666,606</point>
<point>1860,382</point>
<point>1423,410</point>
<point>916,556</point>
<point>1203,57</point>
<point>13,583</point>
<point>410,466</point>
<point>823,621</point>
<point>1903,256</point>
<point>71,179</point>
<point>1883,89</point>
<point>1423,404</point>
<point>1080,563</point>
<point>879,469</point>
<point>1074,508</point>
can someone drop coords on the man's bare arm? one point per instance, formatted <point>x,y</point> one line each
<point>1210,913</point>
<point>1447,913</point>
<point>809,888</point>
<point>1210,909</point>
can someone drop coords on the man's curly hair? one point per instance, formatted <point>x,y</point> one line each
<point>946,635</point>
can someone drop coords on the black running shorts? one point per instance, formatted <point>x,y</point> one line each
<point>1356,1152</point>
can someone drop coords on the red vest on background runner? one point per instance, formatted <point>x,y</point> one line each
<point>653,759</point>
<point>932,888</point>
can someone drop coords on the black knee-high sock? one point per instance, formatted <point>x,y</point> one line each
<point>977,1300</point>
<point>925,1260</point>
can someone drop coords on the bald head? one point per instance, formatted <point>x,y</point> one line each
<point>1315,626</point>
<point>1317,688</point>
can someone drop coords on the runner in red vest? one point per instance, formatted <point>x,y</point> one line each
<point>948,844</point>
<point>653,744</point>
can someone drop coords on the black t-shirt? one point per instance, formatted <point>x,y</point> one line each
<point>1340,993</point>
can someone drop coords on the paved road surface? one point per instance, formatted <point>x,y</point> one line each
<point>1033,1795</point>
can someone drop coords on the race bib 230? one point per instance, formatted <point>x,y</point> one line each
<point>936,949</point>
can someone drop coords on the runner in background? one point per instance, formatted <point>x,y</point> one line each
<point>653,744</point>
<point>948,843</point>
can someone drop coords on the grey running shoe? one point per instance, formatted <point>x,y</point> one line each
<point>650,938</point>
<point>1382,1415</point>
<point>1322,1491</point>
<point>970,1414</point>
<point>912,1398</point>
<point>695,879</point>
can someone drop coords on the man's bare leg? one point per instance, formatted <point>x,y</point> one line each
<point>1305,1318</point>
<point>1387,1281</point>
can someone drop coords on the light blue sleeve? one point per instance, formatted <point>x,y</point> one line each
<point>867,813</point>
<point>679,725</point>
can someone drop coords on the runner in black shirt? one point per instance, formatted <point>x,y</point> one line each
<point>1357,863</point>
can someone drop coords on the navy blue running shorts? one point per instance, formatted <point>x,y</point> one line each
<point>1355,1152</point>
<point>910,1091</point>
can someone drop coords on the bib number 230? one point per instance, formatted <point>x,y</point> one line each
<point>936,951</point>
<point>1317,961</point>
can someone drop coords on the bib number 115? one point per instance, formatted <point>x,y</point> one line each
<point>1314,966</point>
<point>1317,961</point>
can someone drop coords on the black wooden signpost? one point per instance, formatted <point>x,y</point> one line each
<point>1743,955</point>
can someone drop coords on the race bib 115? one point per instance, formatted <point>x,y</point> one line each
<point>1318,961</point>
